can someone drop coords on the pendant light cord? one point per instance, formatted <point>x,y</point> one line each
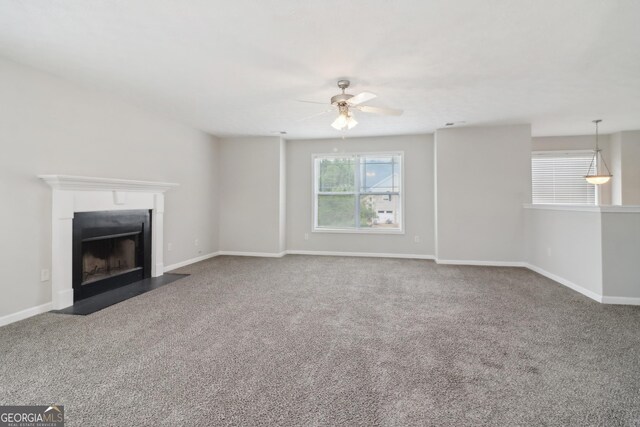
<point>596,153</point>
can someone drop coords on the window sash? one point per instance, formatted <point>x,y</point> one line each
<point>359,160</point>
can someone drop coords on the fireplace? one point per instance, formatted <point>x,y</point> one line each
<point>75,195</point>
<point>110,249</point>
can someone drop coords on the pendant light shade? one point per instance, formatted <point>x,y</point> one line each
<point>596,178</point>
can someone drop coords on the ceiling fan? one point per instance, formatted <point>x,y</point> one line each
<point>345,103</point>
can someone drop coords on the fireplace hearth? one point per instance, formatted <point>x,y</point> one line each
<point>110,249</point>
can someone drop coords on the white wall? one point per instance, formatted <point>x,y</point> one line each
<point>418,194</point>
<point>566,244</point>
<point>584,142</point>
<point>483,177</point>
<point>250,195</point>
<point>49,126</point>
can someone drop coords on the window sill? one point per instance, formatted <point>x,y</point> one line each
<point>584,208</point>
<point>360,231</point>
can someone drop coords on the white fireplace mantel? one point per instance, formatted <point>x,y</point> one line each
<point>73,194</point>
<point>87,183</point>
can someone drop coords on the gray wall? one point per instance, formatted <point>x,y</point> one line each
<point>621,254</point>
<point>630,168</point>
<point>418,193</point>
<point>282,241</point>
<point>483,177</point>
<point>567,244</point>
<point>53,127</point>
<point>625,152</point>
<point>616,169</point>
<point>250,194</point>
<point>232,193</point>
<point>597,251</point>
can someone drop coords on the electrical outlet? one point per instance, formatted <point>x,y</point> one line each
<point>169,246</point>
<point>306,236</point>
<point>196,242</point>
<point>548,251</point>
<point>45,275</point>
<point>416,239</point>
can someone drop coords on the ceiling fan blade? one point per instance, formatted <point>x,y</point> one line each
<point>361,97</point>
<point>312,102</point>
<point>316,115</point>
<point>379,110</point>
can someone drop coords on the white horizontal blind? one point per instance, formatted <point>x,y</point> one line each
<point>558,178</point>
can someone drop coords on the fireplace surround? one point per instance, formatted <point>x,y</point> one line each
<point>73,195</point>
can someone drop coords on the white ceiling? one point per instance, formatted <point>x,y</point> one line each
<point>237,67</point>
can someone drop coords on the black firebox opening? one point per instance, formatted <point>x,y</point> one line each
<point>110,249</point>
<point>108,256</point>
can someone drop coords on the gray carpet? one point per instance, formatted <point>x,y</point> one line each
<point>334,341</point>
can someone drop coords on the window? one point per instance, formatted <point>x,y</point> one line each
<point>358,192</point>
<point>558,178</point>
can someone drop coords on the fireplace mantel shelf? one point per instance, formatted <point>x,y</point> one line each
<point>86,183</point>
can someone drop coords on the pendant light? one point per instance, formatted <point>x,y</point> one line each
<point>595,177</point>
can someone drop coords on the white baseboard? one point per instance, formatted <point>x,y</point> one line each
<point>360,254</point>
<point>255,254</point>
<point>23,314</point>
<point>621,300</point>
<point>190,261</point>
<point>481,263</point>
<point>584,291</point>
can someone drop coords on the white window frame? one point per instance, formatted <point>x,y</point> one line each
<point>314,194</point>
<point>559,153</point>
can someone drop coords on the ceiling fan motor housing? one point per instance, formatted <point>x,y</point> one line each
<point>343,97</point>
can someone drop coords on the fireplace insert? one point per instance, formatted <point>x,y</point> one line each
<point>110,249</point>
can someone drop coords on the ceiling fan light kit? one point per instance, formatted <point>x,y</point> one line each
<point>596,178</point>
<point>344,122</point>
<point>345,103</point>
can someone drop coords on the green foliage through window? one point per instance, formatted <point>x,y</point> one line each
<point>336,175</point>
